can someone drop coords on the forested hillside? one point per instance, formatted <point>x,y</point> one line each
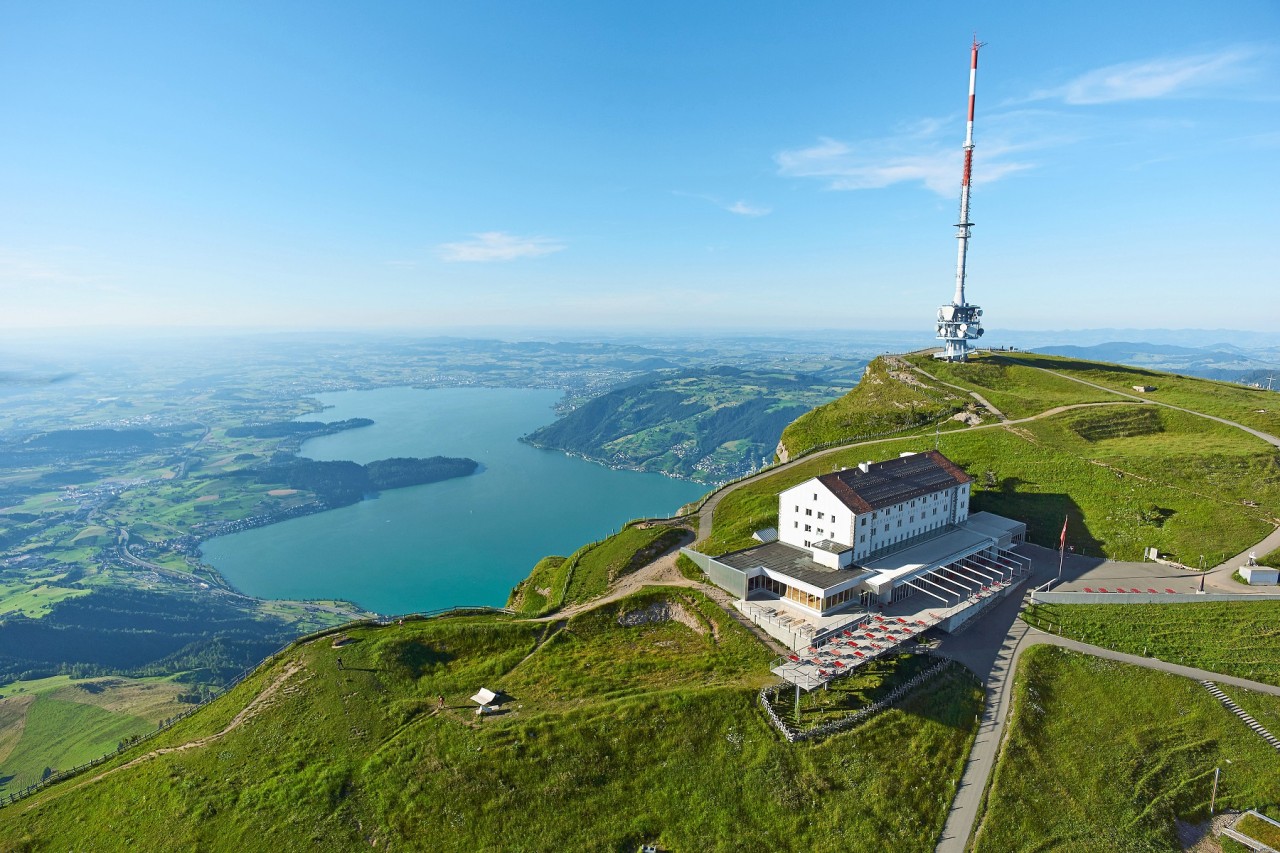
<point>705,425</point>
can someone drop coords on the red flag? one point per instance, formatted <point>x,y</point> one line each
<point>1062,541</point>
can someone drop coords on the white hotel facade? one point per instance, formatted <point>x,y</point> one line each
<point>866,538</point>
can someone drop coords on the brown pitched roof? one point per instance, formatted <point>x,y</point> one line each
<point>894,481</point>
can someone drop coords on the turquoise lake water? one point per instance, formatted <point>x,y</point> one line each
<point>458,542</point>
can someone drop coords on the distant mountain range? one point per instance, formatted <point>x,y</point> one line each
<point>1224,361</point>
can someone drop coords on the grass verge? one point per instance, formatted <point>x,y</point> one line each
<point>1233,638</point>
<point>1104,756</point>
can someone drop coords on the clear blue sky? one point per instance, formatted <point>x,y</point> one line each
<point>606,165</point>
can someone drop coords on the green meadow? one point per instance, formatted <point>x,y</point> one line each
<point>1163,478</point>
<point>1234,638</point>
<point>610,735</point>
<point>1101,756</point>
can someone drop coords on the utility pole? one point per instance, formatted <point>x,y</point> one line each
<point>1213,798</point>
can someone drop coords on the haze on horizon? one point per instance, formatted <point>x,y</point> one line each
<point>720,166</point>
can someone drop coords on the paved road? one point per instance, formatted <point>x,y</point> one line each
<point>992,647</point>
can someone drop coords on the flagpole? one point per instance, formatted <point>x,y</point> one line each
<point>1062,547</point>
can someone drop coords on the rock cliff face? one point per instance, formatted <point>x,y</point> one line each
<point>781,452</point>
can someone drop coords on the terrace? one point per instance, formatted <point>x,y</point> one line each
<point>839,650</point>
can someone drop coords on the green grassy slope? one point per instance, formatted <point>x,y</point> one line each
<point>890,398</point>
<point>1015,389</point>
<point>612,736</point>
<point>1020,385</point>
<point>1249,406</point>
<point>1165,479</point>
<point>1102,756</point>
<point>59,734</point>
<point>1234,638</point>
<point>60,722</point>
<point>587,573</point>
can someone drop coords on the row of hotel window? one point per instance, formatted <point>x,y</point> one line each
<point>807,599</point>
<point>900,508</point>
<point>808,528</point>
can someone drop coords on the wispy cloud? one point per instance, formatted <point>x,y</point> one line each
<point>916,155</point>
<point>1161,77</point>
<point>489,246</point>
<point>743,208</point>
<point>739,207</point>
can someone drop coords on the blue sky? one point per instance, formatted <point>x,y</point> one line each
<point>620,166</point>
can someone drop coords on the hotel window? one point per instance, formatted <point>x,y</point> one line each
<point>797,524</point>
<point>886,528</point>
<point>808,512</point>
<point>815,496</point>
<point>820,516</point>
<point>808,528</point>
<point>862,538</point>
<point>820,533</point>
<point>863,521</point>
<point>899,522</point>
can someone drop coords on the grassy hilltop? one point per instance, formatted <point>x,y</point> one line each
<point>1128,474</point>
<point>612,735</point>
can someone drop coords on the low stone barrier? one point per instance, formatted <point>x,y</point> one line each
<point>854,717</point>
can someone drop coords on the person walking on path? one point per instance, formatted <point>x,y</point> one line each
<point>440,704</point>
<point>339,663</point>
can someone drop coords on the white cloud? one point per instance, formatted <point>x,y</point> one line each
<point>743,208</point>
<point>917,155</point>
<point>1153,78</point>
<point>490,246</point>
<point>740,207</point>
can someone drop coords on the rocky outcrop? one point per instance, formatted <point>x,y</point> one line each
<point>663,610</point>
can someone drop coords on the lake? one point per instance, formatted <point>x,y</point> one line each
<point>465,541</point>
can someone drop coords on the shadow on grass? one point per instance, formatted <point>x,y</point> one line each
<point>412,657</point>
<point>1043,514</point>
<point>1066,365</point>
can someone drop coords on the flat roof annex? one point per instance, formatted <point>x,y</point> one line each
<point>790,561</point>
<point>894,481</point>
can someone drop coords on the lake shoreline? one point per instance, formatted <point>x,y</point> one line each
<point>464,542</point>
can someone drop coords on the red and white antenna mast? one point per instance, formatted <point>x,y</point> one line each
<point>960,322</point>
